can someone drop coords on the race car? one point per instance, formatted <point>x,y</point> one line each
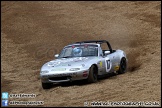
<point>83,60</point>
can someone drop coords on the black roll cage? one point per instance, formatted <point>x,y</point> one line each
<point>98,41</point>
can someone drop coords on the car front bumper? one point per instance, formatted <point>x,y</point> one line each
<point>64,76</point>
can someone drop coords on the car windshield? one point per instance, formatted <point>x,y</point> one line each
<point>79,51</point>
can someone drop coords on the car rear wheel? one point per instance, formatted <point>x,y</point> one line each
<point>92,74</point>
<point>46,85</point>
<point>123,66</point>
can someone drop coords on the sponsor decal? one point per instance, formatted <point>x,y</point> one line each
<point>100,64</point>
<point>57,62</point>
<point>59,69</point>
<point>85,46</point>
<point>116,68</point>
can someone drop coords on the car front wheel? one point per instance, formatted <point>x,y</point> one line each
<point>92,74</point>
<point>46,85</point>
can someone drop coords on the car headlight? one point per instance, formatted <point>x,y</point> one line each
<point>74,69</point>
<point>43,72</point>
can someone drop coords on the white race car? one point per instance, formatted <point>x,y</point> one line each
<point>83,60</point>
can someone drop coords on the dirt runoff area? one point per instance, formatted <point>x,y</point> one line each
<point>32,32</point>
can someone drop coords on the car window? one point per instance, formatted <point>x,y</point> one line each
<point>79,51</point>
<point>68,52</point>
<point>100,51</point>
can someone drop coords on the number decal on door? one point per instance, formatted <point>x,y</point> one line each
<point>108,65</point>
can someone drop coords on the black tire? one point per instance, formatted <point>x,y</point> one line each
<point>92,77</point>
<point>46,85</point>
<point>123,66</point>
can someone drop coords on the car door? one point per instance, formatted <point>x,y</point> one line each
<point>106,62</point>
<point>110,62</point>
<point>101,62</point>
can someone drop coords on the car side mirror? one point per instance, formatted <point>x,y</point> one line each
<point>107,52</point>
<point>56,55</point>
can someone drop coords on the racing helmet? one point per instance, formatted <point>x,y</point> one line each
<point>77,51</point>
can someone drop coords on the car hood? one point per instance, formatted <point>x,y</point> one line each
<point>69,62</point>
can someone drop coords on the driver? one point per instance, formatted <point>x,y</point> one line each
<point>77,51</point>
